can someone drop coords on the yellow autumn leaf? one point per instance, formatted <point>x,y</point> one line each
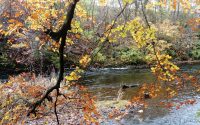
<point>102,2</point>
<point>127,1</point>
<point>84,61</point>
<point>69,42</point>
<point>72,76</point>
<point>75,75</point>
<point>6,116</point>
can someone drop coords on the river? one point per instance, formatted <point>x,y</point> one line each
<point>105,84</point>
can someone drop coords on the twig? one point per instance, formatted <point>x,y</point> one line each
<point>152,42</point>
<point>109,31</point>
<point>55,105</point>
<point>62,33</point>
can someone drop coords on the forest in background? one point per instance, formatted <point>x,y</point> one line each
<point>41,36</point>
<point>26,47</point>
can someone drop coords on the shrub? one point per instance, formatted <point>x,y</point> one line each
<point>131,55</point>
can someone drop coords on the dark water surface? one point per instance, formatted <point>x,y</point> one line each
<point>105,84</point>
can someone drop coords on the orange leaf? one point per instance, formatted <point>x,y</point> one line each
<point>34,16</point>
<point>11,21</point>
<point>46,15</point>
<point>78,36</point>
<point>17,14</point>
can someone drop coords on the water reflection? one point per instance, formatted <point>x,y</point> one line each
<point>105,85</point>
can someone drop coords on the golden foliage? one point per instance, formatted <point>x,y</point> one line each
<point>85,60</point>
<point>140,34</point>
<point>164,69</point>
<point>74,75</point>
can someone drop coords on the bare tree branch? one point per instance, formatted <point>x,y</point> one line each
<point>55,107</point>
<point>109,31</point>
<point>61,34</point>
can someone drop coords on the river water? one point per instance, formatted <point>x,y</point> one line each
<point>105,84</point>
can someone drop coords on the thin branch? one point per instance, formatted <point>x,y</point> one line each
<point>120,4</point>
<point>109,31</point>
<point>62,33</point>
<point>149,26</point>
<point>145,16</point>
<point>152,42</point>
<point>55,107</point>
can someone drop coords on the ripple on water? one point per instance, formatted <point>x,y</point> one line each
<point>187,115</point>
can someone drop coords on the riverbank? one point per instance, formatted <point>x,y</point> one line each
<point>16,70</point>
<point>105,87</point>
<point>145,66</point>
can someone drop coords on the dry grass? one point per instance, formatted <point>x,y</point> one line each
<point>22,90</point>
